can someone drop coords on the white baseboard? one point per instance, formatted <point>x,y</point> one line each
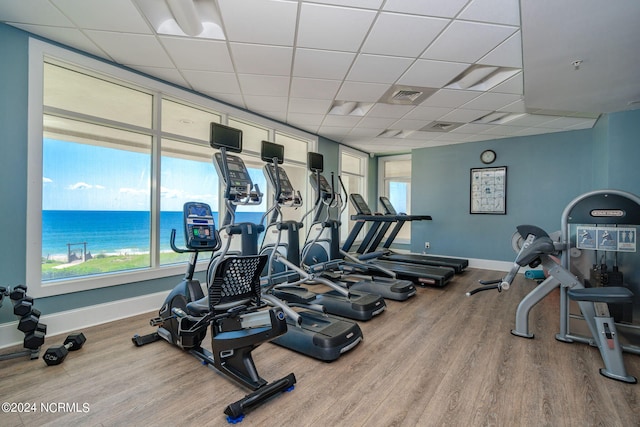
<point>78,319</point>
<point>487,264</point>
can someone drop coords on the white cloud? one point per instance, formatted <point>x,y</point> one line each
<point>45,179</point>
<point>133,191</point>
<point>80,186</point>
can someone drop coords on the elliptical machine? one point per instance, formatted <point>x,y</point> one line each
<point>232,307</point>
<point>310,330</point>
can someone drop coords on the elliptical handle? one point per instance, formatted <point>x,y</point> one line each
<point>172,242</point>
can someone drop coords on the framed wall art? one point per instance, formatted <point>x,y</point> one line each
<point>488,191</point>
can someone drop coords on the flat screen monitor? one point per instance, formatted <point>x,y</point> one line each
<point>271,150</point>
<point>315,161</point>
<point>226,137</point>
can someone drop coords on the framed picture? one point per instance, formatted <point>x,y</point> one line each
<point>488,191</point>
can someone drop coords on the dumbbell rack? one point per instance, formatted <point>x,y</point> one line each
<point>29,323</point>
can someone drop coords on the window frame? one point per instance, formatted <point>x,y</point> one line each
<point>383,189</point>
<point>41,52</point>
<point>345,227</point>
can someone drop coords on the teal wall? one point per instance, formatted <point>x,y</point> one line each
<point>544,173</point>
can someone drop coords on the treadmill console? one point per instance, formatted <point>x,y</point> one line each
<point>199,227</point>
<point>359,204</point>
<point>387,206</point>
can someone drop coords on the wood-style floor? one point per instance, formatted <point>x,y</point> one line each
<point>439,359</point>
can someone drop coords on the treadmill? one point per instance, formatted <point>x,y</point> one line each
<point>422,275</point>
<point>323,249</point>
<point>458,264</point>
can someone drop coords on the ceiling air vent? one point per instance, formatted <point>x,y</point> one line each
<point>406,95</point>
<point>440,127</point>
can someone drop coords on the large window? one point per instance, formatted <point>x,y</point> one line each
<point>395,183</point>
<point>353,171</point>
<point>113,156</point>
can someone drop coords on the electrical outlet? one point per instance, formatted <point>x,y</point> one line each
<point>427,245</point>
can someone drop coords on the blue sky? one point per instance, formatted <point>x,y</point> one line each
<point>87,177</point>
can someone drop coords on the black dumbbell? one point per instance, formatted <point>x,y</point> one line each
<point>23,306</point>
<point>35,339</point>
<point>18,292</point>
<point>29,321</point>
<point>55,355</point>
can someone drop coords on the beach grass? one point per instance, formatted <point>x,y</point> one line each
<point>52,270</point>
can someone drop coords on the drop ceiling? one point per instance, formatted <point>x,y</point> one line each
<point>382,76</point>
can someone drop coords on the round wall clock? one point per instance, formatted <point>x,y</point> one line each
<point>488,157</point>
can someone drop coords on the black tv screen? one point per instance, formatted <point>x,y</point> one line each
<point>270,150</point>
<point>315,161</point>
<point>226,137</point>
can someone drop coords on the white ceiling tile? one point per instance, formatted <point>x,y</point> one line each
<point>264,85</point>
<point>496,11</point>
<point>513,84</point>
<point>168,74</point>
<point>506,54</point>
<point>361,92</point>
<point>365,4</point>
<point>448,8</point>
<point>566,122</point>
<point>504,130</point>
<point>362,132</point>
<point>32,12</point>
<point>335,133</point>
<point>532,120</point>
<point>472,128</point>
<point>587,124</point>
<point>461,115</point>
<point>376,122</point>
<point>266,103</point>
<point>491,101</point>
<point>260,59</point>
<point>515,107</point>
<point>131,49</point>
<point>407,124</point>
<point>259,21</point>
<point>341,121</point>
<point>402,35</point>
<point>67,36</point>
<point>212,82</point>
<point>314,88</point>
<point>449,98</point>
<point>467,41</point>
<point>112,15</point>
<point>346,32</point>
<point>229,98</point>
<point>427,113</point>
<point>309,106</point>
<point>388,110</point>
<point>198,54</point>
<point>429,73</point>
<point>378,69</point>
<point>322,64</point>
<point>305,119</point>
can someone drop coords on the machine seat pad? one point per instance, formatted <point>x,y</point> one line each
<point>198,308</point>
<point>608,294</point>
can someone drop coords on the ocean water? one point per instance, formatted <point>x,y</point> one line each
<point>113,232</point>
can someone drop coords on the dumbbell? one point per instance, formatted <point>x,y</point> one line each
<point>29,321</point>
<point>18,292</point>
<point>55,355</point>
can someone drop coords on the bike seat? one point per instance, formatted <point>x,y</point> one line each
<point>608,294</point>
<point>198,308</point>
